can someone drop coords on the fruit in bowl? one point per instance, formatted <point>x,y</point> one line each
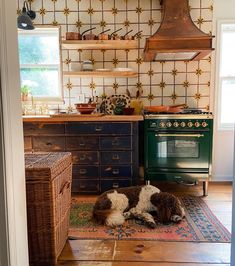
<point>85,108</point>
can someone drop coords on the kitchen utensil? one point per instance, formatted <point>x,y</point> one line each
<point>127,36</point>
<point>102,36</point>
<point>137,33</point>
<point>72,35</point>
<point>113,100</point>
<point>87,65</point>
<point>137,104</point>
<point>163,109</point>
<point>85,108</point>
<point>103,69</point>
<point>122,69</point>
<point>89,36</point>
<point>128,110</point>
<point>114,36</point>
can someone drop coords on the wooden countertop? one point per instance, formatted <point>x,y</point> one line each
<point>84,118</point>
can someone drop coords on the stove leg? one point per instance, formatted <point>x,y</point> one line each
<point>147,182</point>
<point>205,188</point>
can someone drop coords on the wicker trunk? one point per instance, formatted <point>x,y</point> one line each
<point>48,193</point>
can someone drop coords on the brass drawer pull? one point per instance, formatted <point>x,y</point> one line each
<point>82,171</point>
<point>115,185</point>
<point>115,157</point>
<point>115,171</point>
<point>98,129</point>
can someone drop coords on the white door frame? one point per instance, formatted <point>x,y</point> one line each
<point>13,230</point>
<point>13,222</point>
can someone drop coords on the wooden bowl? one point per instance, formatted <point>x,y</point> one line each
<point>85,108</point>
<point>128,110</point>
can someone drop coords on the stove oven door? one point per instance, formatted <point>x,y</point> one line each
<point>178,152</point>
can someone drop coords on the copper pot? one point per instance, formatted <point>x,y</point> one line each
<point>89,36</point>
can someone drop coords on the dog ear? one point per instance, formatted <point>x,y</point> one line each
<point>162,201</point>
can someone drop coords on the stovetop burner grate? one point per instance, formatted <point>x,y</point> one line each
<point>184,111</point>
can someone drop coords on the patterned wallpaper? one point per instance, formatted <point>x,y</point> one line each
<point>164,83</point>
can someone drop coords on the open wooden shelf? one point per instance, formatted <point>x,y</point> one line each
<point>100,44</point>
<point>111,74</point>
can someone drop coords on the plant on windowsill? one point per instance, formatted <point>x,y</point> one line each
<point>25,90</point>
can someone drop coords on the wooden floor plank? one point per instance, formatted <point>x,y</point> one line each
<point>131,263</point>
<point>149,251</point>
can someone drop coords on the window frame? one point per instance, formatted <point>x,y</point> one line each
<point>47,99</point>
<point>219,78</point>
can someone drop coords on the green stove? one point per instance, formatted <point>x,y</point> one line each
<point>178,147</point>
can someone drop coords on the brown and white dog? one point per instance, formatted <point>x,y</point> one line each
<point>113,207</point>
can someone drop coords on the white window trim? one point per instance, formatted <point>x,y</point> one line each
<point>221,126</point>
<point>46,99</point>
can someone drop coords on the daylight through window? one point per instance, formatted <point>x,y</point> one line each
<point>227,75</point>
<point>40,68</point>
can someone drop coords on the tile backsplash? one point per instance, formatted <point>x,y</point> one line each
<point>161,83</point>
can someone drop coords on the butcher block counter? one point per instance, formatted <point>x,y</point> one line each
<point>104,148</point>
<point>77,117</point>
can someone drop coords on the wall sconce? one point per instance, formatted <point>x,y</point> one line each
<point>24,20</point>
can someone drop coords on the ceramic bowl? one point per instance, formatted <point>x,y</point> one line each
<point>128,110</point>
<point>85,108</point>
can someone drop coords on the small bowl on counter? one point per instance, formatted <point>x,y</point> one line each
<point>128,110</point>
<point>85,108</point>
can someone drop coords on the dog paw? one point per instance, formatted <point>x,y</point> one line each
<point>127,215</point>
<point>151,225</point>
<point>176,218</point>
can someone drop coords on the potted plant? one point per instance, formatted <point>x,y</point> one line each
<point>25,90</point>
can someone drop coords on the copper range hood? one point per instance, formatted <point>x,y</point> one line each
<point>177,38</point>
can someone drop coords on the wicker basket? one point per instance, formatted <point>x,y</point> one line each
<point>48,193</point>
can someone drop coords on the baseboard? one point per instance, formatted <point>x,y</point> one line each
<point>221,178</point>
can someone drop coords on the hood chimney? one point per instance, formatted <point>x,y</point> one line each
<point>177,38</point>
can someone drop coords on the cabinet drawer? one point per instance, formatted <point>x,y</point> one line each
<point>112,184</point>
<point>36,128</point>
<point>98,128</point>
<point>86,186</point>
<point>27,144</point>
<point>82,143</point>
<point>48,143</point>
<point>116,157</point>
<point>85,171</point>
<point>115,171</point>
<point>115,143</point>
<point>85,157</point>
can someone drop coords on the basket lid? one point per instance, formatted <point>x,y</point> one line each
<point>46,166</point>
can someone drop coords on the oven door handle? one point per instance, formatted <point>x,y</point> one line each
<point>179,135</point>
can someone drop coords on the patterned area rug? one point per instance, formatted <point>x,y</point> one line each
<point>200,225</point>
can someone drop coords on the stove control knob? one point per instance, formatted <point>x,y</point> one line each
<point>182,124</point>
<point>204,124</point>
<point>175,124</point>
<point>162,124</point>
<point>168,124</point>
<point>197,124</point>
<point>190,124</point>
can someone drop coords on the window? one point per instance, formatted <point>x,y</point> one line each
<point>227,75</point>
<point>40,64</point>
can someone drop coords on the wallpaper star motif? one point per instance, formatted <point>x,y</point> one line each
<point>160,81</point>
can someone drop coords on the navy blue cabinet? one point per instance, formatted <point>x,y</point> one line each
<point>105,154</point>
